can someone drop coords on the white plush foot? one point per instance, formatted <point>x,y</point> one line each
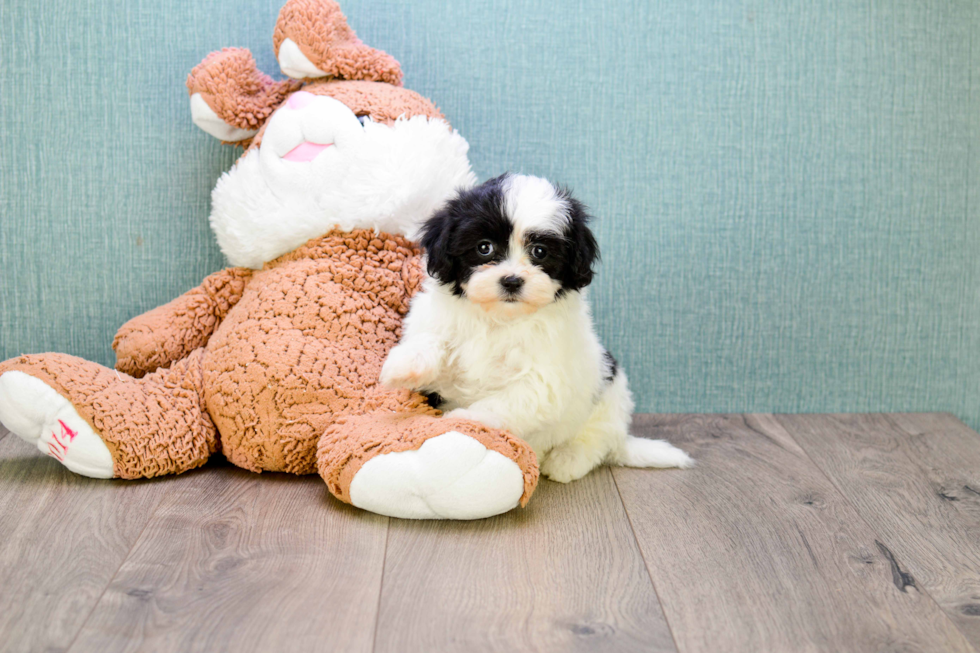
<point>33,410</point>
<point>451,476</point>
<point>640,452</point>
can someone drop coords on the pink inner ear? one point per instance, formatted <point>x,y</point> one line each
<point>305,152</point>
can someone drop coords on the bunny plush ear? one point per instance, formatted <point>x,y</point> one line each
<point>231,98</point>
<point>312,39</point>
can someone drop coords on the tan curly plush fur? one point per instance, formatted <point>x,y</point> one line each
<point>305,345</point>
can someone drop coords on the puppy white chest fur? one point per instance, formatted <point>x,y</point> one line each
<point>544,368</point>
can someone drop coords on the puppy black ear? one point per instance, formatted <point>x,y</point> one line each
<point>435,238</point>
<point>581,246</point>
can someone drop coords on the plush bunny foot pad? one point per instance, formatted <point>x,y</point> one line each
<point>33,410</point>
<point>451,476</point>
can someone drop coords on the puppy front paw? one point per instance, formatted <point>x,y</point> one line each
<point>569,463</point>
<point>408,367</point>
<point>482,416</point>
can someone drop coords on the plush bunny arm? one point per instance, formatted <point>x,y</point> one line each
<point>170,332</point>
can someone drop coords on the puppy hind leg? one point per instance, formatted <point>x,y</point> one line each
<point>574,459</point>
<point>601,437</point>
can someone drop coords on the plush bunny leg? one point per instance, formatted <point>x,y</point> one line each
<point>312,39</point>
<point>35,411</point>
<point>230,98</point>
<point>100,423</point>
<point>426,467</point>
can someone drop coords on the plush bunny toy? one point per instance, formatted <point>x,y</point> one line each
<point>275,362</point>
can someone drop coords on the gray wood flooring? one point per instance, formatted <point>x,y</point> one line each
<point>793,533</point>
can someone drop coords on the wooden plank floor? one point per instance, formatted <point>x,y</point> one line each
<point>793,533</point>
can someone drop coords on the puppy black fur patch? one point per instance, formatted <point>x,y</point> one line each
<point>451,235</point>
<point>611,367</point>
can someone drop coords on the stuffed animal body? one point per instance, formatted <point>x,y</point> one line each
<point>275,362</point>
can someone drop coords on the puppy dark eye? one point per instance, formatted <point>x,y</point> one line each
<point>538,252</point>
<point>484,248</point>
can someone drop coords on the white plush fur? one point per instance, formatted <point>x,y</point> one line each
<point>375,176</point>
<point>538,374</point>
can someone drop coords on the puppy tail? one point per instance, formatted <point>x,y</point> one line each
<point>641,452</point>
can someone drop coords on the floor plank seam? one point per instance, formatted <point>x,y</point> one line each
<point>646,565</point>
<point>381,586</point>
<point>880,541</point>
<point>115,573</point>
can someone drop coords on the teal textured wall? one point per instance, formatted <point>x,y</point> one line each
<point>787,192</point>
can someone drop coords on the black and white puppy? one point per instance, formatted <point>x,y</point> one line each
<point>503,335</point>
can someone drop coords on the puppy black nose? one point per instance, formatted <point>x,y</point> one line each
<point>511,283</point>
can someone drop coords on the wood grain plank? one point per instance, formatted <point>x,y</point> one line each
<point>755,550</point>
<point>62,537</point>
<point>916,480</point>
<point>241,562</point>
<point>564,574</point>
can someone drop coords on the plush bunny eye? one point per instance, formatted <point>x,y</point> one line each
<point>539,252</point>
<point>484,248</point>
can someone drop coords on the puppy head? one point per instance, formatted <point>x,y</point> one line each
<point>511,245</point>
